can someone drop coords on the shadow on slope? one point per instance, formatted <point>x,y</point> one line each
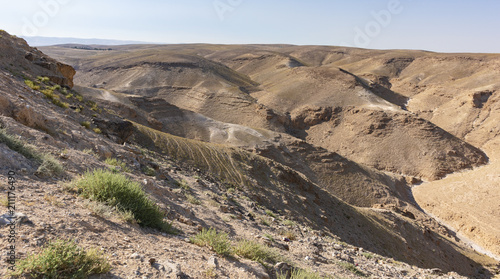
<point>276,186</point>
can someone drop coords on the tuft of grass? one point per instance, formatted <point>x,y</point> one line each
<point>117,163</point>
<point>63,259</point>
<point>264,221</point>
<point>192,199</point>
<point>41,79</point>
<point>85,124</point>
<point>300,274</point>
<point>60,103</point>
<point>48,164</point>
<point>97,131</point>
<point>19,146</point>
<point>352,268</point>
<point>118,191</point>
<point>270,213</point>
<point>210,273</point>
<point>149,171</point>
<point>183,184</point>
<point>289,223</point>
<point>89,151</point>
<point>218,242</point>
<point>368,255</point>
<point>31,84</point>
<point>256,252</point>
<point>269,236</point>
<point>79,98</point>
<point>289,234</point>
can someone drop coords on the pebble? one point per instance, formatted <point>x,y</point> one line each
<point>135,256</point>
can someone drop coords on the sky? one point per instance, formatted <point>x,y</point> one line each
<point>435,25</point>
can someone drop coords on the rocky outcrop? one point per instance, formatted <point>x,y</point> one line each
<point>19,58</point>
<point>118,130</point>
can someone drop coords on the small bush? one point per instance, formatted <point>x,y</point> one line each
<point>118,191</point>
<point>269,236</point>
<point>19,146</point>
<point>264,221</point>
<point>300,274</point>
<point>42,79</point>
<point>218,242</point>
<point>149,171</point>
<point>31,84</point>
<point>183,184</point>
<point>79,98</point>
<point>97,131</point>
<point>352,268</point>
<point>270,213</point>
<point>192,199</point>
<point>117,163</point>
<point>48,164</point>
<point>63,259</point>
<point>368,255</point>
<point>256,252</point>
<point>60,104</point>
<point>85,124</point>
<point>289,223</point>
<point>288,234</point>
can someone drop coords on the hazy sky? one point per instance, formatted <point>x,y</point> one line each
<point>446,25</point>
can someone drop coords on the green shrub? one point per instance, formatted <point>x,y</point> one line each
<point>270,213</point>
<point>117,163</point>
<point>42,79</point>
<point>118,191</point>
<point>149,171</point>
<point>256,252</point>
<point>300,274</point>
<point>79,98</point>
<point>85,124</point>
<point>31,84</point>
<point>19,146</point>
<point>60,104</point>
<point>63,259</point>
<point>289,223</point>
<point>97,131</point>
<point>219,242</point>
<point>48,164</point>
<point>192,199</point>
<point>183,184</point>
<point>352,268</point>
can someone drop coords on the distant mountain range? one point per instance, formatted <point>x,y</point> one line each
<point>49,41</point>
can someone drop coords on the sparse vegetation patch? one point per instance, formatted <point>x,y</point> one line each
<point>218,242</point>
<point>118,191</point>
<point>48,164</point>
<point>63,259</point>
<point>256,252</point>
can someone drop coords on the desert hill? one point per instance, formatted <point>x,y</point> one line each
<point>419,114</point>
<point>203,130</point>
